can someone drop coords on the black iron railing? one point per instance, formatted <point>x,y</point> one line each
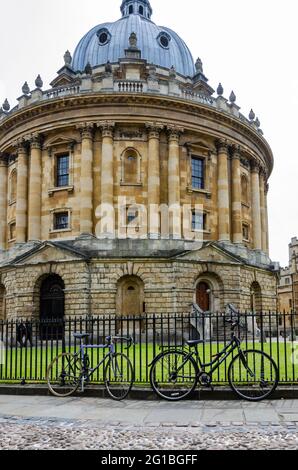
<point>27,346</point>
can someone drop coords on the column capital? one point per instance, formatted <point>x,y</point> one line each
<point>255,166</point>
<point>20,145</point>
<point>154,129</point>
<point>236,152</point>
<point>4,157</point>
<point>86,130</point>
<point>35,141</point>
<point>107,128</point>
<point>222,145</point>
<point>174,132</point>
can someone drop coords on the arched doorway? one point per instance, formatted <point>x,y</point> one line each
<point>256,297</point>
<point>52,302</point>
<point>2,302</point>
<point>130,296</point>
<point>203,292</point>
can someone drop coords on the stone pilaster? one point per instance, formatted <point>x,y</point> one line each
<point>22,193</point>
<point>154,179</point>
<point>34,197</point>
<point>86,180</point>
<point>237,236</point>
<point>256,206</point>
<point>174,134</point>
<point>3,201</point>
<point>223,192</point>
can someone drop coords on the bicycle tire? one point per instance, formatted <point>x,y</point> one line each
<point>64,375</point>
<point>119,376</point>
<point>168,387</point>
<point>249,389</point>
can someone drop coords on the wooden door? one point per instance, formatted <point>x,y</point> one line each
<point>203,296</point>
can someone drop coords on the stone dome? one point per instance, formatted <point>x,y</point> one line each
<point>159,45</point>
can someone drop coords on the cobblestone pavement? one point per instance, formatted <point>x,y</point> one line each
<point>82,423</point>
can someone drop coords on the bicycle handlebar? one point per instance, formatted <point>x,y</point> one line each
<point>114,339</point>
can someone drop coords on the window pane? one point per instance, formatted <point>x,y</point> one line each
<point>61,221</point>
<point>198,221</point>
<point>197,173</point>
<point>63,170</point>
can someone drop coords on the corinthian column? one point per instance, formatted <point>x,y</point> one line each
<point>154,178</point>
<point>34,198</point>
<point>256,207</point>
<point>22,193</point>
<point>263,211</point>
<point>174,181</point>
<point>236,197</point>
<point>3,201</point>
<point>107,178</point>
<point>267,222</point>
<point>86,196</point>
<point>223,192</point>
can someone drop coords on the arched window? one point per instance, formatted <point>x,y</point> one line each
<point>13,186</point>
<point>203,296</point>
<point>131,167</point>
<point>244,189</point>
<point>141,10</point>
<point>130,10</point>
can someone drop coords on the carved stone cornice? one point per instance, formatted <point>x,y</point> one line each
<point>154,129</point>
<point>174,132</point>
<point>107,128</point>
<point>86,130</point>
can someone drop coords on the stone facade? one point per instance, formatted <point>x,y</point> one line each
<point>133,131</point>
<point>288,281</point>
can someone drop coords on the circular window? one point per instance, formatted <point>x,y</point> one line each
<point>104,36</point>
<point>164,40</point>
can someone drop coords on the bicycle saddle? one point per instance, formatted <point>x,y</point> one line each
<point>81,335</point>
<point>194,342</point>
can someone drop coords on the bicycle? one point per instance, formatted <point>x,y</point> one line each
<point>252,374</point>
<point>68,371</point>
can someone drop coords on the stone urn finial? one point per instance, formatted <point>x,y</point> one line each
<point>6,106</point>
<point>232,97</point>
<point>133,40</point>
<point>38,82</point>
<point>25,89</point>
<point>252,115</point>
<point>88,69</point>
<point>220,90</point>
<point>108,67</point>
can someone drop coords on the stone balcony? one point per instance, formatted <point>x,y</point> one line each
<point>158,81</point>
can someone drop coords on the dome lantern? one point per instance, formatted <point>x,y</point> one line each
<point>136,7</point>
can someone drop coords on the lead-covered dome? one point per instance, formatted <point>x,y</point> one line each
<point>159,45</point>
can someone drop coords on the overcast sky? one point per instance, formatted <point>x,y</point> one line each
<point>249,46</point>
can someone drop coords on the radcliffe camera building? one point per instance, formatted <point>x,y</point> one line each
<point>131,122</point>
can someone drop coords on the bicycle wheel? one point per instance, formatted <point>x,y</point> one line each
<point>119,376</point>
<point>172,376</point>
<point>64,375</point>
<point>253,375</point>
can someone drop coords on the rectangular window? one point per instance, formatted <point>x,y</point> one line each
<point>245,232</point>
<point>62,174</point>
<point>12,231</point>
<point>61,221</point>
<point>198,169</point>
<point>132,215</point>
<point>198,221</point>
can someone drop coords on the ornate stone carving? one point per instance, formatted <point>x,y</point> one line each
<point>20,145</point>
<point>232,97</point>
<point>154,129</point>
<point>174,132</point>
<point>86,129</point>
<point>222,145</point>
<point>6,106</point>
<point>220,90</point>
<point>35,141</point>
<point>107,128</point>
<point>255,166</point>
<point>38,82</point>
<point>133,40</point>
<point>236,152</point>
<point>25,89</point>
<point>67,58</point>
